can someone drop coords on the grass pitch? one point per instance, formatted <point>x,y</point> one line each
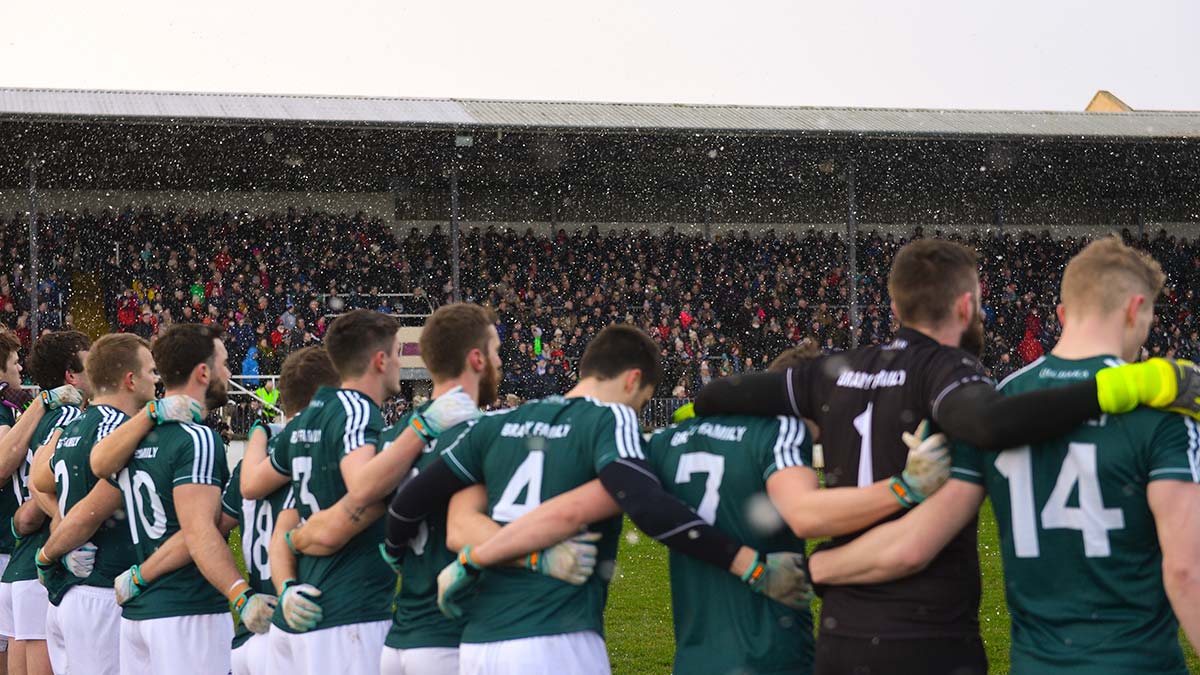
<point>638,622</point>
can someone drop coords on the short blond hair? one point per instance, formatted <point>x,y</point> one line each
<point>1106,272</point>
<point>111,358</point>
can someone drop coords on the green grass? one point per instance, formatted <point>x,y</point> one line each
<point>638,623</point>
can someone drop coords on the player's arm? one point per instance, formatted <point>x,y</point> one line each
<point>467,521</point>
<point>902,547</point>
<point>28,518</point>
<point>15,443</point>
<point>764,394</point>
<point>83,520</point>
<point>1176,508</point>
<point>328,530</point>
<point>297,601</point>
<point>112,453</point>
<point>41,475</point>
<point>261,476</point>
<point>415,500</point>
<point>283,560</point>
<point>812,512</point>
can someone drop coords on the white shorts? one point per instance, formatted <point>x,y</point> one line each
<point>6,619</point>
<point>353,649</point>
<point>180,645</point>
<point>30,602</point>
<point>422,661</point>
<point>581,653</point>
<point>84,632</point>
<point>251,657</point>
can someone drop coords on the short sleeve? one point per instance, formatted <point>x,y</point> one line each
<point>201,457</point>
<point>791,445</point>
<point>461,449</point>
<point>967,463</point>
<point>1174,450</point>
<point>231,498</point>
<point>657,447</point>
<point>279,455</point>
<point>948,370</point>
<point>617,436</point>
<point>363,421</point>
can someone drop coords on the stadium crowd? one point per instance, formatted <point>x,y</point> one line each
<point>715,307</point>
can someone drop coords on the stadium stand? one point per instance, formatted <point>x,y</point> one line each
<point>716,306</point>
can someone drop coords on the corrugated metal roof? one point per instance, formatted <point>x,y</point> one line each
<point>597,116</point>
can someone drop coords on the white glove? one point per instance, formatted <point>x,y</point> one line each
<point>129,584</point>
<point>927,469</point>
<point>177,408</point>
<point>60,396</point>
<point>82,560</point>
<point>451,408</point>
<point>256,612</point>
<point>572,561</point>
<point>299,610</point>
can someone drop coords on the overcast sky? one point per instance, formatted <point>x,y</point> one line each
<point>1010,54</point>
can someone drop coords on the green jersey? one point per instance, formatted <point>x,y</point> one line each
<point>524,456</point>
<point>1082,564</point>
<point>256,519</point>
<point>8,500</point>
<point>74,480</point>
<point>22,566</point>
<point>356,584</point>
<point>719,466</point>
<point>170,455</point>
<point>417,622</point>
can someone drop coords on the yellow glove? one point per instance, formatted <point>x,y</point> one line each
<point>684,412</point>
<point>1166,384</point>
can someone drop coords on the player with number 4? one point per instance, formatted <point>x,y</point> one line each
<point>1098,529</point>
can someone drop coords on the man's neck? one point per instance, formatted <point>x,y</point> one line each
<point>121,401</point>
<point>605,391</point>
<point>1089,337</point>
<point>470,386</point>
<point>371,387</point>
<point>195,392</point>
<point>944,335</point>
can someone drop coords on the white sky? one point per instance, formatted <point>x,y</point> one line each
<point>1007,54</point>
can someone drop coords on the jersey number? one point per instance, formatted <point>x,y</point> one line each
<point>707,463</point>
<point>1090,517</point>
<point>528,480</point>
<point>139,493</point>
<point>302,473</point>
<point>417,543</point>
<point>63,479</point>
<point>257,535</point>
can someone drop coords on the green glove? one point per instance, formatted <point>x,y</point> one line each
<point>455,581</point>
<point>177,408</point>
<point>44,568</point>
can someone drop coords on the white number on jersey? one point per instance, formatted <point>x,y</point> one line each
<point>706,463</point>
<point>302,473</point>
<point>862,424</point>
<point>526,479</point>
<point>63,478</point>
<point>259,520</point>
<point>1090,517</point>
<point>140,491</point>
<point>417,543</point>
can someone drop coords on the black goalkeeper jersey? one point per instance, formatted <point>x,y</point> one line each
<point>863,400</point>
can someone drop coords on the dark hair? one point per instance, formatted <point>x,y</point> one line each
<point>54,354</point>
<point>451,333</point>
<point>182,347</point>
<point>354,337</point>
<point>303,373</point>
<point>9,344</point>
<point>618,348</point>
<point>793,356</point>
<point>111,357</point>
<point>927,276</point>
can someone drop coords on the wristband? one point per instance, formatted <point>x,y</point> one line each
<point>136,573</point>
<point>47,401</point>
<point>903,494</point>
<point>37,560</point>
<point>464,559</point>
<point>242,599</point>
<point>532,560</point>
<point>755,571</point>
<point>235,598</point>
<point>421,428</point>
<point>288,584</point>
<point>287,537</point>
<point>12,525</point>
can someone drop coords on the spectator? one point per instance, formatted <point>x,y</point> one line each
<point>250,370</point>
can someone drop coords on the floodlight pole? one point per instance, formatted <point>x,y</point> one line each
<point>33,251</point>
<point>852,235</point>
<point>456,293</point>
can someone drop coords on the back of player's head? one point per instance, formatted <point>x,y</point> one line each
<point>54,354</point>
<point>1103,276</point>
<point>452,332</point>
<point>927,276</point>
<point>793,356</point>
<point>111,358</point>
<point>620,348</point>
<point>302,374</point>
<point>9,345</point>
<point>182,347</point>
<point>355,337</point>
